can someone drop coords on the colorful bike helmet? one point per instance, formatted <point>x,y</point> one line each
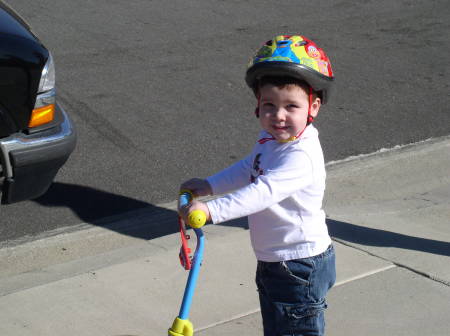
<point>293,56</point>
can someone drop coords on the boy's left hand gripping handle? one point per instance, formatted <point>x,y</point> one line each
<point>196,218</point>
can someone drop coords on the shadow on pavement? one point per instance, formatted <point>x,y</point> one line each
<point>381,238</point>
<point>112,211</point>
<point>119,213</point>
<point>238,223</point>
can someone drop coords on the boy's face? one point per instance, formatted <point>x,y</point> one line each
<point>283,112</point>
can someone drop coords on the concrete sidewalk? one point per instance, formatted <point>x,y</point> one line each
<point>389,215</point>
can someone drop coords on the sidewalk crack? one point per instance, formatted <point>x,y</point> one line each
<point>395,263</point>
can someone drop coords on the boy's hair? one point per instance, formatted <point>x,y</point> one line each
<point>284,82</point>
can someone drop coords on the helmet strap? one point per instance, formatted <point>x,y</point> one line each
<point>310,98</point>
<point>257,111</point>
<point>310,118</point>
<point>258,99</point>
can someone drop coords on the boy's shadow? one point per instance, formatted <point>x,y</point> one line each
<point>114,212</point>
<point>118,213</point>
<point>381,238</point>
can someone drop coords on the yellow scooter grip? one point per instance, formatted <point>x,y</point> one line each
<point>197,219</point>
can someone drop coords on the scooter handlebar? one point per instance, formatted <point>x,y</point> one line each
<point>197,218</point>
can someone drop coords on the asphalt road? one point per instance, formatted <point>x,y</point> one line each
<point>156,90</point>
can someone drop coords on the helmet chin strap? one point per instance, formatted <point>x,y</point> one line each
<point>309,120</point>
<point>310,98</point>
<point>257,105</point>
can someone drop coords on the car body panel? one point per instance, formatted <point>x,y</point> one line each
<point>22,57</point>
<point>29,157</point>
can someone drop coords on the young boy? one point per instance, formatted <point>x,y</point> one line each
<point>280,187</point>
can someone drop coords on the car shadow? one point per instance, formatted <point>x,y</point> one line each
<point>381,238</point>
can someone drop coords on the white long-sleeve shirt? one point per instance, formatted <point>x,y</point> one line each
<point>280,187</point>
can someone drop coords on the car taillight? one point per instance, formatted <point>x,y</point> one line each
<point>44,108</point>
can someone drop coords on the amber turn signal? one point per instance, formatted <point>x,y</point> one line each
<point>42,115</point>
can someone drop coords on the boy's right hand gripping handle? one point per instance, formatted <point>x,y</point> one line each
<point>196,218</point>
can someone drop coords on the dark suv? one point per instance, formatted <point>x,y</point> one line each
<point>36,134</point>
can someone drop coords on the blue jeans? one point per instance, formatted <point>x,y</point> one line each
<point>292,294</point>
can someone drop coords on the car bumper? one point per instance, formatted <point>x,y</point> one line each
<point>30,162</point>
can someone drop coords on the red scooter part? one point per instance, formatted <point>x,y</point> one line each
<point>185,251</point>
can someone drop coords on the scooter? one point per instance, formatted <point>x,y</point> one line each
<point>181,325</point>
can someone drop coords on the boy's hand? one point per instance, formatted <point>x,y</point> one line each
<point>198,187</point>
<point>194,205</point>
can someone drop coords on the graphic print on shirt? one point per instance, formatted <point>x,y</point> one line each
<point>256,170</point>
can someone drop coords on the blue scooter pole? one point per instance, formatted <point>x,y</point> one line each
<point>181,325</point>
